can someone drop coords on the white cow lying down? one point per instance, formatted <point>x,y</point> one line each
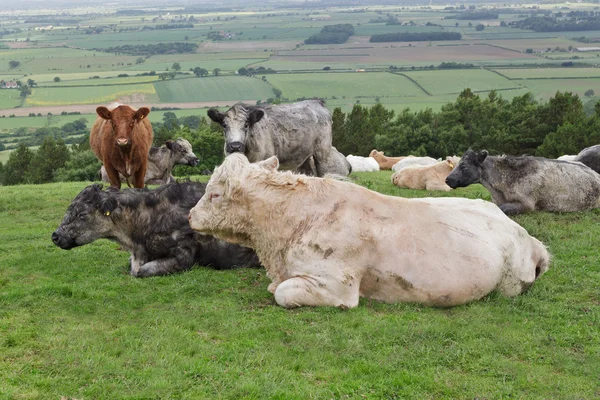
<point>362,164</point>
<point>326,242</point>
<point>413,161</point>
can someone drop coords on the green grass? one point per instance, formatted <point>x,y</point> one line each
<point>353,84</point>
<point>546,88</point>
<point>211,88</point>
<point>454,81</point>
<point>10,98</point>
<point>550,73</point>
<point>74,324</point>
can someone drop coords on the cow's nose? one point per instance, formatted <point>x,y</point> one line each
<point>235,147</point>
<point>122,142</point>
<point>193,162</point>
<point>55,238</point>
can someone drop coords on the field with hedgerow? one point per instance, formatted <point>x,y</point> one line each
<point>73,324</point>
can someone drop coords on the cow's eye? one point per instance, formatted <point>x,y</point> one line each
<point>213,196</point>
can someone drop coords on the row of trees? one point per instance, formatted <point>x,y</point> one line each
<point>553,24</point>
<point>332,34</point>
<point>519,126</point>
<point>151,49</point>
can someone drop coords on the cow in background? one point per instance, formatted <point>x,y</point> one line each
<point>152,225</point>
<point>521,184</point>
<point>292,132</point>
<point>336,165</point>
<point>384,161</point>
<point>121,138</point>
<point>325,242</point>
<point>362,164</point>
<point>590,156</point>
<point>414,161</point>
<point>161,161</point>
<point>428,177</point>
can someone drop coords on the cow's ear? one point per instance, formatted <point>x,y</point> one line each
<point>481,156</point>
<point>103,112</point>
<point>141,113</point>
<point>169,144</point>
<point>450,162</point>
<point>108,204</point>
<point>216,115</point>
<point>270,164</point>
<point>255,116</point>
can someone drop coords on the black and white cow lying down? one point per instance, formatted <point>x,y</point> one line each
<point>152,225</point>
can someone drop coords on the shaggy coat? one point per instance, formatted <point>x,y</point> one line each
<point>326,242</point>
<point>383,161</point>
<point>292,132</point>
<point>121,138</point>
<point>161,161</point>
<point>521,184</point>
<point>590,156</point>
<point>411,161</point>
<point>429,177</point>
<point>362,164</point>
<point>152,226</point>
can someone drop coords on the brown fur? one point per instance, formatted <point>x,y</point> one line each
<point>122,122</point>
<point>383,161</point>
<point>430,177</point>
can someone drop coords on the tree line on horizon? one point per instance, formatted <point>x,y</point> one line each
<point>520,126</point>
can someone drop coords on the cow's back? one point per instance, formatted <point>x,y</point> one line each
<point>591,157</point>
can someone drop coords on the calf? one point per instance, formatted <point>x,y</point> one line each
<point>121,137</point>
<point>362,164</point>
<point>152,226</point>
<point>521,184</point>
<point>428,177</point>
<point>383,161</point>
<point>293,132</point>
<point>325,242</point>
<point>590,156</point>
<point>414,161</point>
<point>161,161</point>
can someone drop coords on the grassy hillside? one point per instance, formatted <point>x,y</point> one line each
<point>74,324</point>
<point>212,88</point>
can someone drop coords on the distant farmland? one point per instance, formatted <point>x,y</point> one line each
<point>90,94</point>
<point>232,88</point>
<point>454,81</point>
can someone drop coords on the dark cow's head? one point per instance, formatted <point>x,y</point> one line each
<point>123,120</point>
<point>86,219</point>
<point>183,152</point>
<point>468,170</point>
<point>236,123</point>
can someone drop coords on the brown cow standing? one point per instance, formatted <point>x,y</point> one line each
<point>121,138</point>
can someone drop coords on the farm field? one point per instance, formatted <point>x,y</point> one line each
<point>353,84</point>
<point>454,81</point>
<point>89,94</point>
<point>548,73</point>
<point>213,88</point>
<point>546,88</point>
<point>74,324</point>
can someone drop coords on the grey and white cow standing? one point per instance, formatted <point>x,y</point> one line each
<point>521,184</point>
<point>590,156</point>
<point>336,165</point>
<point>292,132</point>
<point>161,161</point>
<point>152,225</point>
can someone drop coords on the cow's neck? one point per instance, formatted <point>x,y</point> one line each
<point>127,155</point>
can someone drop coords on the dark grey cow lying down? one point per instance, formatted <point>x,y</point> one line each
<point>590,156</point>
<point>161,161</point>
<point>521,184</point>
<point>292,132</point>
<point>152,225</point>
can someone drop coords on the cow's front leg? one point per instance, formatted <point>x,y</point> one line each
<point>162,266</point>
<point>139,176</point>
<point>514,208</point>
<point>307,290</point>
<point>113,175</point>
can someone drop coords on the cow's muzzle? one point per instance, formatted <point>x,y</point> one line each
<point>193,162</point>
<point>62,241</point>
<point>235,147</point>
<point>122,142</point>
<point>453,183</point>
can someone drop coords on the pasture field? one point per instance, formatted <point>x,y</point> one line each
<point>89,94</point>
<point>537,73</point>
<point>352,84</point>
<point>454,81</point>
<point>546,88</point>
<point>10,98</point>
<point>232,88</point>
<point>73,324</point>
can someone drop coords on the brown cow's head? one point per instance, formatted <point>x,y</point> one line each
<point>123,120</point>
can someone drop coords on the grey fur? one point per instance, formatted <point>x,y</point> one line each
<point>590,156</point>
<point>152,225</point>
<point>336,164</point>
<point>161,161</point>
<point>521,184</point>
<point>292,132</point>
